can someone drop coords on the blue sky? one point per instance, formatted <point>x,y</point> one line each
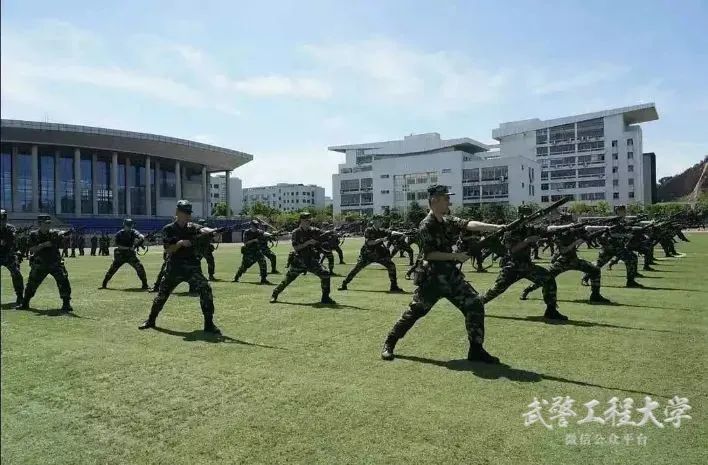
<point>284,80</point>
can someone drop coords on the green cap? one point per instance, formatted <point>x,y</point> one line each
<point>201,222</point>
<point>439,189</point>
<point>524,210</point>
<point>44,219</point>
<point>305,216</point>
<point>128,222</point>
<point>185,206</point>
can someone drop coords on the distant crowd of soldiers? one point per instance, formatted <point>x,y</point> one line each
<point>444,243</point>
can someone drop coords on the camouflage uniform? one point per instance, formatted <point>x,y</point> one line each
<point>614,245</point>
<point>94,245</point>
<point>81,244</point>
<point>129,238</point>
<point>47,261</point>
<point>303,261</point>
<point>252,254</point>
<point>400,244</point>
<point>183,265</point>
<point>8,257</point>
<point>373,254</point>
<point>562,262</point>
<point>267,253</point>
<point>518,265</point>
<point>437,280</point>
<point>328,245</point>
<point>208,254</point>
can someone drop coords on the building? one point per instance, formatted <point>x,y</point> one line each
<point>650,189</point>
<point>219,191</point>
<point>78,171</point>
<point>285,197</point>
<point>381,175</point>
<point>591,157</point>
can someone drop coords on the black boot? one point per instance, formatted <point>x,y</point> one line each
<point>24,304</point>
<point>388,347</point>
<point>633,283</point>
<point>149,323</point>
<point>66,306</point>
<point>265,281</point>
<point>343,287</point>
<point>648,268</point>
<point>478,354</point>
<point>209,326</point>
<point>524,295</point>
<point>212,278</point>
<point>327,300</point>
<point>596,297</point>
<point>552,313</point>
<point>145,286</point>
<point>274,271</point>
<point>273,298</point>
<point>236,278</point>
<point>395,289</point>
<point>104,284</point>
<point>18,302</point>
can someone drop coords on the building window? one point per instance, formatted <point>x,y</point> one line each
<point>593,196</point>
<point>615,182</point>
<point>470,192</point>
<point>384,176</point>
<point>630,142</point>
<point>587,172</point>
<point>168,182</point>
<point>66,183</point>
<point>24,179</point>
<point>630,168</point>
<point>544,198</point>
<point>447,170</point>
<point>615,156</point>
<point>544,186</point>
<point>367,184</point>
<point>630,181</point>
<point>615,195</point>
<point>597,183</point>
<point>592,128</point>
<point>590,146</point>
<point>470,175</point>
<point>385,191</point>
<point>562,133</point>
<point>565,148</point>
<point>614,143</point>
<point>46,180</point>
<point>6,177</point>
<point>363,160</point>
<point>631,194</point>
<point>495,173</point>
<point>614,169</point>
<point>630,155</point>
<point>104,193</point>
<point>541,151</point>
<point>348,185</point>
<point>541,136</point>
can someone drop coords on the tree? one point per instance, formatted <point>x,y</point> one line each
<point>221,209</point>
<point>415,213</point>
<point>635,208</point>
<point>602,208</point>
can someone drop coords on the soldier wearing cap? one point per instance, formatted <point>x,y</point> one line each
<point>8,255</point>
<point>517,264</point>
<point>438,276</point>
<point>374,250</point>
<point>180,239</point>
<point>265,250</point>
<point>567,241</point>
<point>252,253</point>
<point>305,240</point>
<point>208,254</point>
<point>94,245</point>
<point>615,244</point>
<point>127,240</point>
<point>46,259</point>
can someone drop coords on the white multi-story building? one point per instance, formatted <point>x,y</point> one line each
<point>286,197</point>
<point>592,157</point>
<point>391,174</point>
<point>218,192</point>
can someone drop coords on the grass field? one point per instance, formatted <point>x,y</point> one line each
<point>299,383</point>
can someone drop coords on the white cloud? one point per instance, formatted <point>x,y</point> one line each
<point>552,81</point>
<point>276,86</point>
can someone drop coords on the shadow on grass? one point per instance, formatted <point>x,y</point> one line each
<point>654,288</point>
<point>52,312</point>
<point>128,289</point>
<point>8,305</point>
<point>486,371</point>
<point>580,323</point>
<point>376,291</point>
<point>198,335</point>
<point>618,304</point>
<point>320,305</point>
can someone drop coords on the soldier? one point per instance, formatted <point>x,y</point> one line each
<point>94,245</point>
<point>65,241</point>
<point>305,240</point>
<point>8,255</point>
<point>180,239</point>
<point>329,243</point>
<point>72,240</point>
<point>615,242</point>
<point>568,240</point>
<point>81,244</point>
<point>252,253</point>
<point>46,259</point>
<point>517,264</point>
<point>337,247</point>
<point>209,254</point>
<point>265,249</point>
<point>161,274</point>
<point>127,240</point>
<point>438,276</point>
<point>374,250</point>
<point>402,243</point>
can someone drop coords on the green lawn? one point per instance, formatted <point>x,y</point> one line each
<point>298,383</point>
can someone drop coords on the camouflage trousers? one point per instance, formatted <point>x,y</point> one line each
<point>365,260</point>
<point>161,274</point>
<point>268,254</point>
<point>123,257</point>
<point>561,264</point>
<point>513,271</point>
<point>340,254</point>
<point>10,262</point>
<point>454,288</point>
<point>403,248</point>
<point>627,256</point>
<point>329,256</point>
<point>211,264</point>
<point>300,266</point>
<point>249,259</point>
<point>667,244</point>
<point>176,273</point>
<point>40,270</point>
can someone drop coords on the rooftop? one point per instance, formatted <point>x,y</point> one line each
<point>415,143</point>
<point>632,115</point>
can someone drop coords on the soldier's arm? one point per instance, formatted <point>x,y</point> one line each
<point>478,226</point>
